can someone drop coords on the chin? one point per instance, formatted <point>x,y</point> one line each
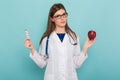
<point>63,24</point>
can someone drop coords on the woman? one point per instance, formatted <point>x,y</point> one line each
<point>63,55</point>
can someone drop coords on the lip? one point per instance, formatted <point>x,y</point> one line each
<point>62,22</point>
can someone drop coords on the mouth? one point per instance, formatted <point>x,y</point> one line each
<point>62,22</point>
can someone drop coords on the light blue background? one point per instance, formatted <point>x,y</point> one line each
<point>103,16</point>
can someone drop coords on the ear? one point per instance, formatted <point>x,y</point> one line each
<point>52,19</point>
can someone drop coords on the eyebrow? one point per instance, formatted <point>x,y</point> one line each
<point>60,14</point>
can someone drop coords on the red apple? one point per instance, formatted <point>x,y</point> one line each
<point>91,35</point>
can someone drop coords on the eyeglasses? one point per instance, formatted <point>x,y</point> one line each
<point>64,15</point>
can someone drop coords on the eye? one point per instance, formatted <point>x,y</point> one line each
<point>57,16</point>
<point>64,14</point>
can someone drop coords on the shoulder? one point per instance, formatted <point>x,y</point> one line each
<point>43,41</point>
<point>77,38</point>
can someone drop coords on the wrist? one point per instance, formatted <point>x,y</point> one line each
<point>84,50</point>
<point>85,47</point>
<point>32,50</point>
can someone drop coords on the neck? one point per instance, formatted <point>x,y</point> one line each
<point>60,30</point>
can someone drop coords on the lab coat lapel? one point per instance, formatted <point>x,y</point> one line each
<point>56,38</point>
<point>65,40</point>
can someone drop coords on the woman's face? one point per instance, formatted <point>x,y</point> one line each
<point>60,18</point>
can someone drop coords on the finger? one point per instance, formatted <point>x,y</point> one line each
<point>94,40</point>
<point>25,40</point>
<point>87,39</point>
<point>27,44</point>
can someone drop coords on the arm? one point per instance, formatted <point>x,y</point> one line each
<point>81,56</point>
<point>88,44</point>
<point>40,57</point>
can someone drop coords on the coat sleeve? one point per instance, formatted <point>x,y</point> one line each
<point>40,57</point>
<point>79,56</point>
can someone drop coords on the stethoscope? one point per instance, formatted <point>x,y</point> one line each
<point>73,42</point>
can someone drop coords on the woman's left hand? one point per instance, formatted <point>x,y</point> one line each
<point>89,42</point>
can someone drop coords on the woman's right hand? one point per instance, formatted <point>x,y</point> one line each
<point>28,44</point>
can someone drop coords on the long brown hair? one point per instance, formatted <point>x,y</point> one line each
<point>51,25</point>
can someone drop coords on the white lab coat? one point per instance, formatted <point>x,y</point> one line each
<point>63,59</point>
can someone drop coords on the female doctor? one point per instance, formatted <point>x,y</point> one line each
<point>64,55</point>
